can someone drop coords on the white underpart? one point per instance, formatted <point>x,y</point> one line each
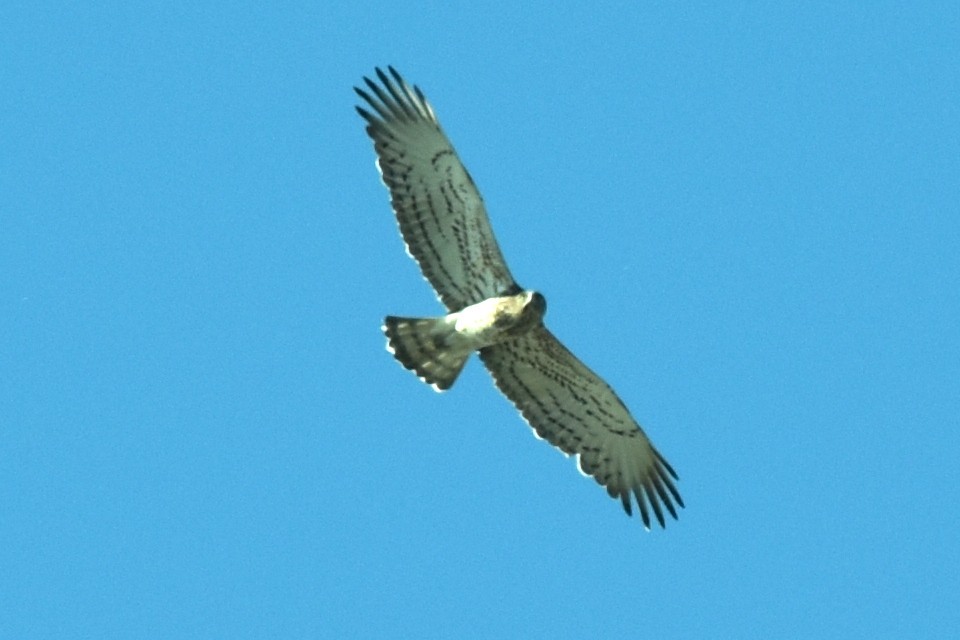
<point>476,323</point>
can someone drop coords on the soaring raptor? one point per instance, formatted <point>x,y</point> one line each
<point>446,230</point>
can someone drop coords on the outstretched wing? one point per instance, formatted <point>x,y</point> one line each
<point>572,408</point>
<point>440,212</point>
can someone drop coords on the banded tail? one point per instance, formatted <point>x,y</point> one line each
<point>427,346</point>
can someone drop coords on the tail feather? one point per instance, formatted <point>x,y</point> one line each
<point>423,345</point>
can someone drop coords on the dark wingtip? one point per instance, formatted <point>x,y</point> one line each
<point>383,76</point>
<point>644,514</point>
<point>366,115</point>
<point>666,465</point>
<point>396,74</point>
<point>655,505</point>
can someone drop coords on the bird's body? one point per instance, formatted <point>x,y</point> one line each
<point>437,348</point>
<point>446,229</point>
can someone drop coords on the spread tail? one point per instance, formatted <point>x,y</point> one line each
<point>424,345</point>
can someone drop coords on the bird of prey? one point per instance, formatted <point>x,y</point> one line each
<point>446,230</point>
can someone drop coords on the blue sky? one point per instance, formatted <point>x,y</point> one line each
<point>745,217</point>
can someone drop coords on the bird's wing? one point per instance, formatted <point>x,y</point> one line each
<point>439,210</point>
<point>576,411</point>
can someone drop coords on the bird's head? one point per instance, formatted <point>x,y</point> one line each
<point>531,315</point>
<point>535,304</point>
